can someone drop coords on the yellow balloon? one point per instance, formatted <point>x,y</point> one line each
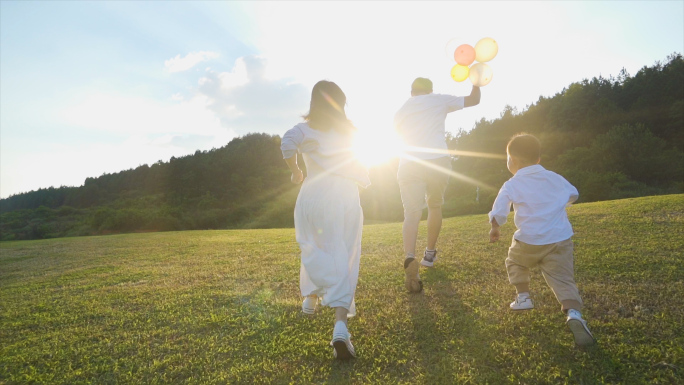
<point>459,73</point>
<point>480,74</point>
<point>486,49</point>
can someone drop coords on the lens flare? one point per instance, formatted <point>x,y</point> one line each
<point>451,173</point>
<point>373,148</point>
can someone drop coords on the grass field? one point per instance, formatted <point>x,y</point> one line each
<point>224,307</point>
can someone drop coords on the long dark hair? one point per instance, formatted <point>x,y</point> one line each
<point>326,110</point>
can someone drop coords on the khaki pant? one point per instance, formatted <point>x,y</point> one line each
<point>556,263</point>
<point>422,184</point>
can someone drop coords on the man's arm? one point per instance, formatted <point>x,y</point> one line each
<point>474,98</point>
<point>574,194</point>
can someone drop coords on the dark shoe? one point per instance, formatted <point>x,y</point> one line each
<point>411,269</point>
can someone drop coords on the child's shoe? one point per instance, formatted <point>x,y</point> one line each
<point>429,258</point>
<point>522,302</point>
<point>411,270</point>
<point>341,342</point>
<point>579,328</point>
<point>309,305</point>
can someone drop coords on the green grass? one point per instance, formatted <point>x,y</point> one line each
<point>224,307</point>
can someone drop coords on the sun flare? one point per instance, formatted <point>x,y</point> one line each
<point>373,148</point>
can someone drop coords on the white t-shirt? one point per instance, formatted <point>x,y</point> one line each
<point>420,122</point>
<point>539,198</point>
<point>331,152</point>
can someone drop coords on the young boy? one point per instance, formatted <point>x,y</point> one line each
<point>543,238</point>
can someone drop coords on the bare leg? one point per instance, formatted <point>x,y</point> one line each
<point>341,314</point>
<point>410,231</point>
<point>434,225</point>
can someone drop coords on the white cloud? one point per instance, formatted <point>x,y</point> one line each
<point>238,101</point>
<point>137,115</point>
<point>245,100</point>
<point>179,64</point>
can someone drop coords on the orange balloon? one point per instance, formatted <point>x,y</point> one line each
<point>464,54</point>
<point>459,73</point>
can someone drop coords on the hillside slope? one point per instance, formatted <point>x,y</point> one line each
<point>224,306</point>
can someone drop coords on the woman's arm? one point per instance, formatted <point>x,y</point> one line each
<point>289,145</point>
<point>297,175</point>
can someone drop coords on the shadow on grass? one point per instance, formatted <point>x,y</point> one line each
<point>451,348</point>
<point>458,339</point>
<point>342,371</point>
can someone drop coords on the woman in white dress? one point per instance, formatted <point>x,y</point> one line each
<point>328,215</point>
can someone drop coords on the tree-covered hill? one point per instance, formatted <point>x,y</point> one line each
<point>611,137</point>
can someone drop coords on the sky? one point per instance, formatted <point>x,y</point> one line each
<point>94,87</point>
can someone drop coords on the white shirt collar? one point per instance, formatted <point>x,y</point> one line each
<point>530,170</point>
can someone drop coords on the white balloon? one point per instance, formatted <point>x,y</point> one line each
<point>480,74</point>
<point>450,48</point>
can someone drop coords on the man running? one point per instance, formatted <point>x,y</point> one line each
<point>423,171</point>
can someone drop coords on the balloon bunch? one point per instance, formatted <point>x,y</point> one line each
<point>480,74</point>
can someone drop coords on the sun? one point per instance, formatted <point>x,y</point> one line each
<point>375,147</point>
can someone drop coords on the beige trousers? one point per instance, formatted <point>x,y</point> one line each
<point>556,263</point>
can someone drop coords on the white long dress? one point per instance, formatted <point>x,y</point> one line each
<point>328,215</point>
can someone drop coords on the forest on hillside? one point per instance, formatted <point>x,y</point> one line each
<point>612,138</point>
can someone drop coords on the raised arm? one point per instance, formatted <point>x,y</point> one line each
<point>474,98</point>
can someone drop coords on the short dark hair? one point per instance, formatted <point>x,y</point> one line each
<point>421,86</point>
<point>524,146</point>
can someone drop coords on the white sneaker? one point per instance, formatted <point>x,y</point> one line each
<point>522,302</point>
<point>429,258</point>
<point>341,342</point>
<point>309,305</point>
<point>579,328</point>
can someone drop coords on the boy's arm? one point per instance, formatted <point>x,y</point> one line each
<point>499,213</point>
<point>494,232</point>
